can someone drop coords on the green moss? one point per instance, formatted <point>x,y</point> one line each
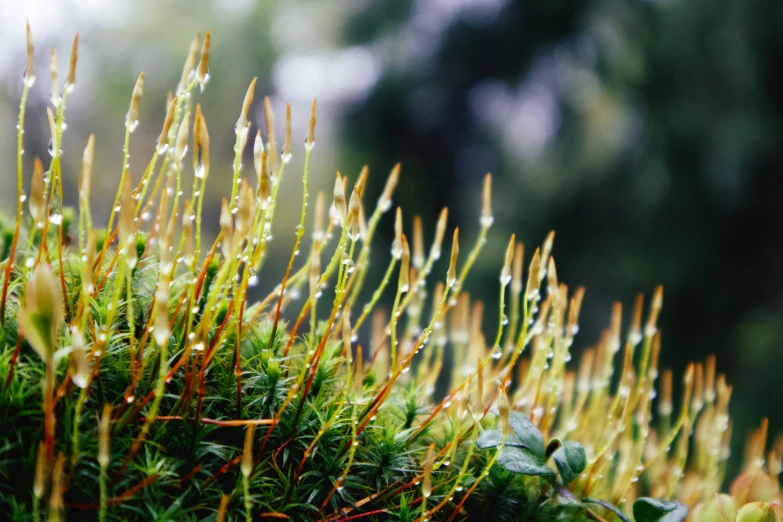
<point>179,366</point>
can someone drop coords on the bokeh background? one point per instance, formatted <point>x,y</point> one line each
<point>647,133</point>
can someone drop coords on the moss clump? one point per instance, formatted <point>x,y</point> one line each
<point>139,383</point>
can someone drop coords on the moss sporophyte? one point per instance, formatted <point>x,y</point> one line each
<point>139,383</point>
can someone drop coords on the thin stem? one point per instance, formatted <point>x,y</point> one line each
<point>484,473</point>
<point>19,200</point>
<point>394,316</point>
<point>104,494</point>
<point>247,498</point>
<point>299,234</point>
<point>124,173</point>
<point>48,408</point>
<point>502,316</point>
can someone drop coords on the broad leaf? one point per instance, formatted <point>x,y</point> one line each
<point>570,460</point>
<point>528,433</point>
<point>606,505</point>
<point>657,510</point>
<point>492,439</point>
<point>563,497</point>
<point>522,462</point>
<point>489,439</point>
<point>552,446</point>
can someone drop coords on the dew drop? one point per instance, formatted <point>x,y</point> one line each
<point>29,80</point>
<point>486,221</point>
<point>131,124</point>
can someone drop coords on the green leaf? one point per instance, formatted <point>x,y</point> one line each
<point>570,460</point>
<point>528,433</point>
<point>607,505</point>
<point>758,512</point>
<point>658,510</point>
<point>563,497</point>
<point>492,439</point>
<point>489,439</point>
<point>552,446</point>
<point>36,329</point>
<point>522,462</point>
<point>43,311</point>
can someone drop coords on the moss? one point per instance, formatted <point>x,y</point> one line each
<point>172,397</point>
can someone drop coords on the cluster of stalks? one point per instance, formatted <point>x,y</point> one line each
<point>139,383</point>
